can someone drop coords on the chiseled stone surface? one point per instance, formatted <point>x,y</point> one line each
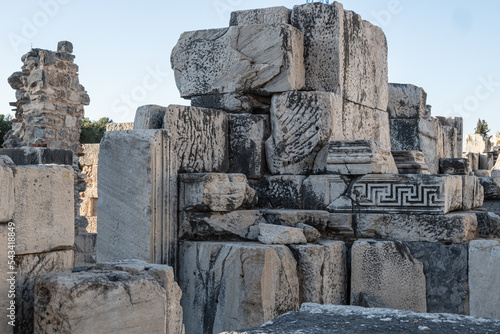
<point>260,59</point>
<point>315,218</point>
<point>199,137</point>
<point>473,193</point>
<point>270,15</point>
<point>327,319</point>
<point>410,162</point>
<point>301,125</point>
<point>116,298</point>
<point>387,271</point>
<point>215,192</point>
<point>279,192</point>
<point>484,278</point>
<point>446,270</point>
<point>322,271</point>
<point>7,203</point>
<point>216,298</point>
<point>271,234</point>
<point>321,190</point>
<point>44,210</point>
<point>234,102</point>
<point>149,117</point>
<point>407,101</point>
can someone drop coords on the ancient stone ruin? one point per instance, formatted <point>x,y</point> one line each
<point>298,176</point>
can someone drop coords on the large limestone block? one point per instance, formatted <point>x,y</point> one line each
<point>90,155</point>
<point>476,143</point>
<point>407,101</point>
<point>271,234</point>
<point>322,271</point>
<point>7,203</point>
<point>322,26</point>
<point>491,187</point>
<point>431,144</point>
<point>7,282</point>
<point>199,138</point>
<point>38,155</point>
<point>410,162</point>
<point>449,142</point>
<point>487,162</point>
<point>484,278</point>
<point>279,192</point>
<point>301,125</point>
<point>29,267</point>
<point>473,193</point>
<point>454,166</point>
<point>247,137</point>
<point>496,169</point>
<point>404,135</point>
<point>44,210</point>
<point>319,191</point>
<point>234,102</point>
<point>260,59</point>
<point>115,298</point>
<point>271,15</point>
<point>215,192</point>
<point>458,124</point>
<point>149,117</point>
<point>389,273</point>
<point>445,269</point>
<point>235,285</point>
<point>137,207</point>
<point>452,227</point>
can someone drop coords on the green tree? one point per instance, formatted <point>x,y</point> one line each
<point>92,131</point>
<point>482,128</point>
<point>5,126</point>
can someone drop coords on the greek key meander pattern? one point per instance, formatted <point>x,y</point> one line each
<point>399,195</point>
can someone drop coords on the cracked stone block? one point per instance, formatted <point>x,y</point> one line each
<point>491,187</point>
<point>449,142</point>
<point>38,155</point>
<point>473,193</point>
<point>322,271</point>
<point>270,15</point>
<point>137,207</point>
<point>453,166</point>
<point>452,227</point>
<point>311,234</point>
<point>271,234</point>
<point>116,297</point>
<point>279,192</point>
<point>473,160</point>
<point>410,162</point>
<point>319,191</point>
<point>315,218</point>
<point>258,59</point>
<point>476,143</point>
<point>120,126</point>
<point>44,210</point>
<point>215,192</point>
<point>445,270</point>
<point>216,299</point>
<point>407,101</point>
<point>234,103</point>
<point>7,203</point>
<point>247,137</point>
<point>150,116</point>
<point>199,138</point>
<point>458,124</point>
<point>389,272</point>
<point>484,278</point>
<point>488,225</point>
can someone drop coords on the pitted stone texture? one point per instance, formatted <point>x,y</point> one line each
<point>449,142</point>
<point>216,298</point>
<point>117,298</point>
<point>7,283</point>
<point>407,101</point>
<point>458,124</point>
<point>38,155</point>
<point>200,138</point>
<point>7,203</point>
<point>311,233</point>
<point>120,126</point>
<point>149,117</point>
<point>29,267</point>
<point>491,187</point>
<point>228,226</point>
<point>301,125</point>
<point>404,135</point>
<point>322,271</point>
<point>271,234</point>
<point>445,269</point>
<point>247,136</point>
<point>323,28</point>
<point>259,59</point>
<point>389,272</point>
<point>234,102</point>
<point>452,227</point>
<point>410,162</point>
<point>473,193</point>
<point>319,191</point>
<point>279,192</point>
<point>488,224</point>
<point>271,15</point>
<point>215,192</point>
<point>484,278</point>
<point>317,219</point>
<point>44,210</point>
<point>454,166</point>
<point>476,143</point>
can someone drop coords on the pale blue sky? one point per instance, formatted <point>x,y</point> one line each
<point>450,48</point>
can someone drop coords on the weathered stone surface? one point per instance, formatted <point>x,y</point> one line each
<point>301,125</point>
<point>472,192</point>
<point>458,124</point>
<point>216,298</point>
<point>476,143</point>
<point>6,161</point>
<point>259,59</point>
<point>38,155</point>
<point>7,194</point>
<point>410,162</point>
<point>7,284</point>
<point>200,138</point>
<point>120,126</point>
<point>404,135</point>
<point>487,161</point>
<point>29,267</point>
<point>117,298</point>
<point>85,249</point>
<point>215,192</point>
<point>279,192</point>
<point>149,117</point>
<point>311,234</point>
<point>387,271</point>
<point>247,136</point>
<point>91,155</point>
<point>454,166</point>
<point>359,157</point>
<point>315,218</point>
<point>322,271</point>
<point>319,191</point>
<point>449,142</point>
<point>488,224</point>
<point>341,225</point>
<point>430,138</point>
<point>271,234</point>
<point>327,319</point>
<point>445,269</point>
<point>482,173</point>
<point>229,226</point>
<point>407,102</point>
<point>484,278</point>
<point>44,210</point>
<point>271,15</point>
<point>137,207</point>
<point>491,187</point>
<point>452,227</point>
<point>234,102</point>
<point>495,172</point>
<point>473,160</point>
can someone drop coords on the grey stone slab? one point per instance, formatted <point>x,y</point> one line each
<point>410,162</point>
<point>149,117</point>
<point>279,192</point>
<point>476,143</point>
<point>473,160</point>
<point>404,135</point>
<point>488,224</point>
<point>407,101</point>
<point>38,155</point>
<point>458,124</point>
<point>271,234</point>
<point>270,15</point>
<point>454,166</point>
<point>319,191</point>
<point>486,161</point>
<point>491,187</point>
<point>315,218</point>
<point>234,102</point>
<point>472,192</point>
<point>7,202</point>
